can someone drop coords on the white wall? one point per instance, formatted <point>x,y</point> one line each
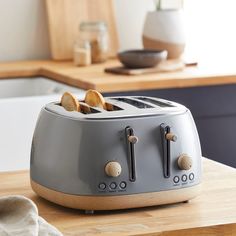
<point>24,33</point>
<point>130,16</point>
<point>211,32</point>
<point>210,28</point>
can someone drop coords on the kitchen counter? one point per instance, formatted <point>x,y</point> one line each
<point>211,213</point>
<point>94,77</point>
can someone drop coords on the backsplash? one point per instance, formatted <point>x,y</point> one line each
<point>24,33</point>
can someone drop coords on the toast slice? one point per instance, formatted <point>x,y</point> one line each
<point>70,102</point>
<point>94,99</point>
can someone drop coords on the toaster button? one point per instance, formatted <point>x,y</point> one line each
<point>176,179</point>
<point>113,185</point>
<point>123,185</point>
<point>102,186</point>
<point>191,176</point>
<point>184,178</point>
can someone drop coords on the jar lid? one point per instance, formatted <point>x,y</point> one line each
<point>93,26</point>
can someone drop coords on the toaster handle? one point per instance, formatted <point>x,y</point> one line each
<point>165,129</point>
<point>131,140</point>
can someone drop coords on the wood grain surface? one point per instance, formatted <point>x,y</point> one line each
<point>116,202</point>
<point>213,213</point>
<point>64,17</point>
<point>94,77</point>
<point>20,69</point>
<point>165,66</point>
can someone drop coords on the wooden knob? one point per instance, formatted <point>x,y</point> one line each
<point>171,137</point>
<point>133,139</point>
<point>185,162</point>
<point>113,169</point>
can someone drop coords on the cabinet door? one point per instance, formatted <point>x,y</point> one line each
<point>214,111</point>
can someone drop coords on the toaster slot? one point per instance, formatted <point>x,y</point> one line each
<point>155,102</point>
<point>86,109</point>
<point>165,129</point>
<point>131,141</point>
<point>112,107</point>
<point>134,103</point>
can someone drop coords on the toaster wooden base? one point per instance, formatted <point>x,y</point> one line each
<point>116,202</point>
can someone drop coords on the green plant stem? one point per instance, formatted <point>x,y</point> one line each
<point>158,6</point>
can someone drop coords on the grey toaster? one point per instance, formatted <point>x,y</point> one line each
<point>142,151</point>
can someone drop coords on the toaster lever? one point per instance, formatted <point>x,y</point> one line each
<point>165,130</point>
<point>131,141</point>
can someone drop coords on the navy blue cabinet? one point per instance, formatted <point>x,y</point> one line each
<point>214,111</point>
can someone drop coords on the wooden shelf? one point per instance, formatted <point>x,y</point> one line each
<point>94,77</point>
<point>212,213</point>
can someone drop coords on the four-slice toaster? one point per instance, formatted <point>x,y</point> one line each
<point>143,151</point>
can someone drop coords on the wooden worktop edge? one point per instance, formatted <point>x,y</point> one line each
<point>69,80</point>
<point>64,72</point>
<point>20,69</point>
<point>167,83</point>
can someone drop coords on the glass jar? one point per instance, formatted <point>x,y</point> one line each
<point>82,53</point>
<point>96,34</point>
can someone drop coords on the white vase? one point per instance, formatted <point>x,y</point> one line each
<point>164,30</point>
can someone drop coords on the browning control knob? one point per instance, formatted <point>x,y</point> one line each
<point>113,169</point>
<point>185,162</point>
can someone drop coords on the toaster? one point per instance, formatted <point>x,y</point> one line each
<point>141,151</point>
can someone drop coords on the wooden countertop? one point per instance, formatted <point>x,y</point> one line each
<point>94,76</point>
<point>211,213</point>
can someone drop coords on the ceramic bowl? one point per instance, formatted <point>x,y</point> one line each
<point>142,58</point>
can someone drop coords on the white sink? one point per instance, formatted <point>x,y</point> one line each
<point>26,87</point>
<point>20,103</point>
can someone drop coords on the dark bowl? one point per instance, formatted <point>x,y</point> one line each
<point>142,58</point>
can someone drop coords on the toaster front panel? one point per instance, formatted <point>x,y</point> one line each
<point>116,157</point>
